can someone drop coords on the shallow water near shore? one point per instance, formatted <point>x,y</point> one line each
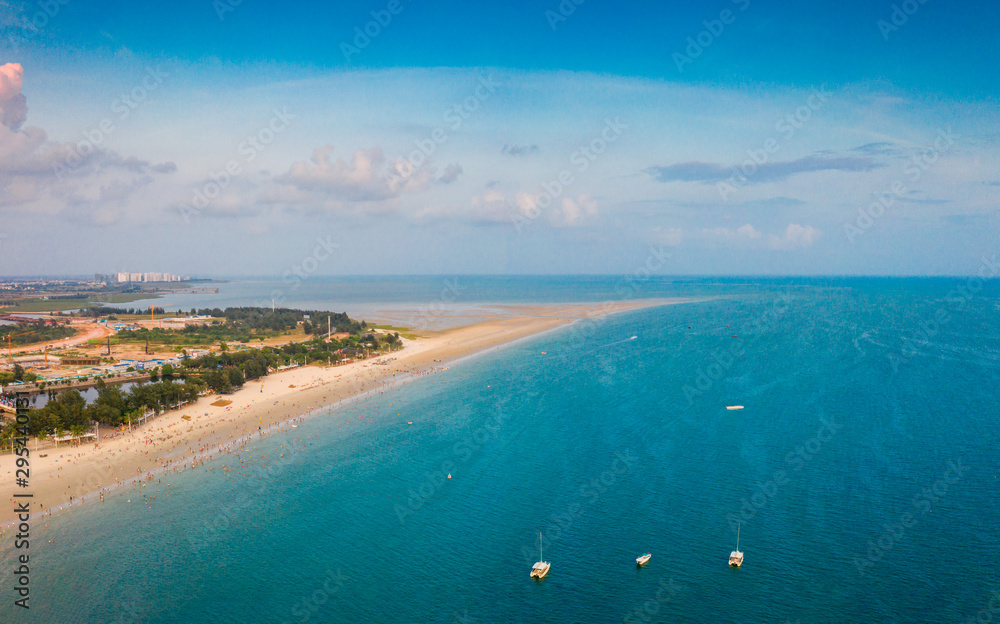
<point>862,469</point>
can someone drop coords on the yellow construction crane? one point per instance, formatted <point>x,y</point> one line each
<point>10,356</point>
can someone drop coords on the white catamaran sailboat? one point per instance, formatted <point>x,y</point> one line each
<point>736,557</point>
<point>541,568</point>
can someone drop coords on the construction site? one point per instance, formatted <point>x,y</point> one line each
<point>112,349</point>
<point>93,352</point>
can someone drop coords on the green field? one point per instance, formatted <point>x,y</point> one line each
<point>56,305</point>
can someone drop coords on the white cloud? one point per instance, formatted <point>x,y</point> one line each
<point>43,176</point>
<point>573,212</point>
<point>363,178</point>
<point>366,183</point>
<point>795,236</point>
<point>745,231</point>
<point>493,207</point>
<point>13,105</point>
<point>670,237</point>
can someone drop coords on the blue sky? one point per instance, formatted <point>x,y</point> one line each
<point>743,137</point>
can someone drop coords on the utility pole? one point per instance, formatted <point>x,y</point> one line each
<point>328,329</point>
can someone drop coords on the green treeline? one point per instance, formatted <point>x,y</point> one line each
<point>39,331</point>
<point>284,319</point>
<point>244,325</point>
<point>68,411</point>
<point>225,371</point>
<point>220,373</point>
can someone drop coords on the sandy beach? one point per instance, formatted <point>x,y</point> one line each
<point>79,475</point>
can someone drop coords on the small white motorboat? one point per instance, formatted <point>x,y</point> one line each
<point>642,560</point>
<point>734,407</point>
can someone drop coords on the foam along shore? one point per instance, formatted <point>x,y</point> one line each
<point>181,438</point>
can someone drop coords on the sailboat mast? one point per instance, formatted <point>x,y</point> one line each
<point>540,557</point>
<point>737,537</point>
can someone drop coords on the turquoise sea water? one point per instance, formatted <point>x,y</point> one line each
<point>864,470</point>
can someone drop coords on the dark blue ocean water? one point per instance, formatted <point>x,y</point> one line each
<point>864,470</point>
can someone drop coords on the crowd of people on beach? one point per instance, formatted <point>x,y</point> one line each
<point>171,451</point>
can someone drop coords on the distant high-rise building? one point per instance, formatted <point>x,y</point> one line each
<point>124,278</point>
